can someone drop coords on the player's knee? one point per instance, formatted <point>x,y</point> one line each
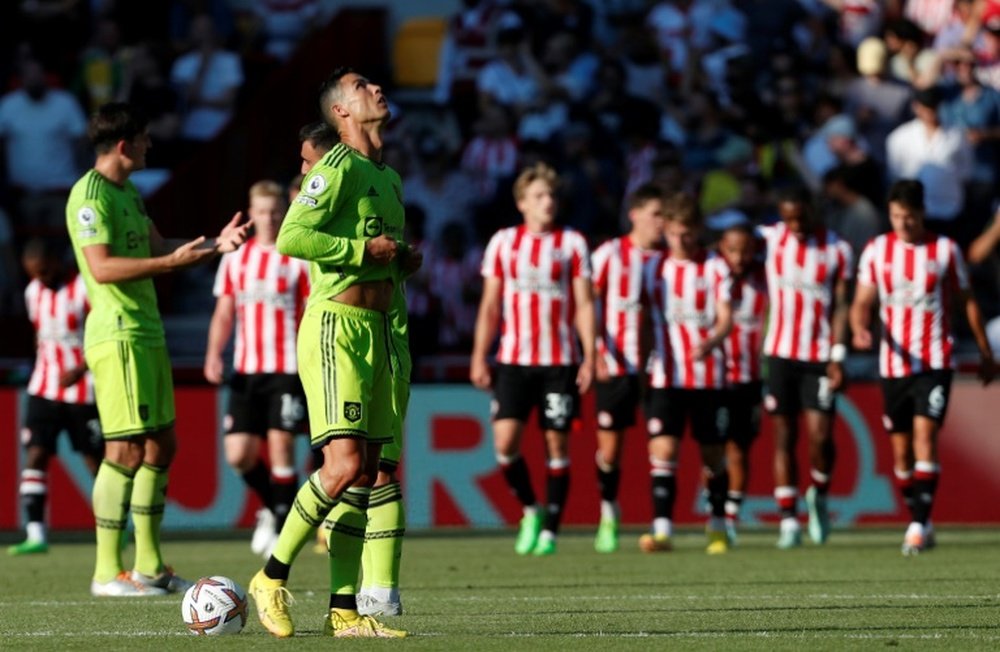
<point>36,458</point>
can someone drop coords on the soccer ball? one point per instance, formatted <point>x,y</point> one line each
<point>213,606</point>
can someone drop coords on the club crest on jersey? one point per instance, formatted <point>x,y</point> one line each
<point>352,411</point>
<point>373,226</point>
<point>315,185</point>
<point>86,216</point>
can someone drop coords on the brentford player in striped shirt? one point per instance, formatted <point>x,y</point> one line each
<point>688,295</point>
<point>914,275</point>
<point>61,391</point>
<point>808,267</point>
<point>536,293</point>
<point>748,298</point>
<point>618,268</point>
<point>262,293</point>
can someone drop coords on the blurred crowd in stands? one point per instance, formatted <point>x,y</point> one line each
<point>730,100</point>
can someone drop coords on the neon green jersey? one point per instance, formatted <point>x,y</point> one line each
<point>346,200</point>
<point>100,212</point>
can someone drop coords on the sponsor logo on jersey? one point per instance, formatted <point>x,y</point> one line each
<point>373,226</point>
<point>306,200</point>
<point>315,185</point>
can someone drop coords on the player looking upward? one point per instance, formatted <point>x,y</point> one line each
<point>536,293</point>
<point>118,251</point>
<point>345,222</point>
<point>914,275</point>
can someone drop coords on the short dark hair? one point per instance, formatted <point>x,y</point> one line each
<point>795,194</point>
<point>331,87</point>
<point>909,193</point>
<point>320,134</point>
<point>929,97</point>
<point>114,122</point>
<point>644,193</point>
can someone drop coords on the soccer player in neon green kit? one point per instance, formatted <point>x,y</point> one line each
<point>380,559</point>
<point>346,221</point>
<point>118,250</point>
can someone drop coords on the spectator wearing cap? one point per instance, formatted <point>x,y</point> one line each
<point>975,109</point>
<point>876,103</point>
<point>936,155</point>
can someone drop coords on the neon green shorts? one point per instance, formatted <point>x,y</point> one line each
<point>393,451</point>
<point>133,386</point>
<point>346,372</point>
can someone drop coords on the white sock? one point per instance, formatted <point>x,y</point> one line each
<point>663,526</point>
<point>36,531</point>
<point>530,510</point>
<point>609,510</point>
<point>546,535</point>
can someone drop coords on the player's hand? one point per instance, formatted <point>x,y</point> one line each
<point>702,350</point>
<point>233,235</point>
<point>601,371</point>
<point>72,376</point>
<point>410,260</point>
<point>479,373</point>
<point>213,369</point>
<point>987,369</point>
<point>585,376</point>
<point>835,374</point>
<point>381,250</point>
<point>862,340</point>
<point>191,253</point>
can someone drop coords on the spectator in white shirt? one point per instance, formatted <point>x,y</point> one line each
<point>208,80</point>
<point>939,156</point>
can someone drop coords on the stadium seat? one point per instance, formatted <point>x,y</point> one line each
<point>415,51</point>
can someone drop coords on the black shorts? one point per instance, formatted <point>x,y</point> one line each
<point>742,408</point>
<point>920,395</point>
<point>518,389</point>
<point>617,400</point>
<point>261,402</point>
<point>793,386</point>
<point>46,419</point>
<point>668,411</point>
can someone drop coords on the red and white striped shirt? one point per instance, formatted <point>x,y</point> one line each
<point>58,317</point>
<point>915,285</point>
<point>748,296</point>
<point>537,271</point>
<point>270,290</point>
<point>682,296</point>
<point>618,269</point>
<point>802,276</point>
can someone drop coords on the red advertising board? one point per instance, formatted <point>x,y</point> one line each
<point>450,476</point>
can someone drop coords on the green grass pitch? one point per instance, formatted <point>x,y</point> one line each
<point>474,593</point>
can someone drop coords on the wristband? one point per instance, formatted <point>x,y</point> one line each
<point>838,352</point>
